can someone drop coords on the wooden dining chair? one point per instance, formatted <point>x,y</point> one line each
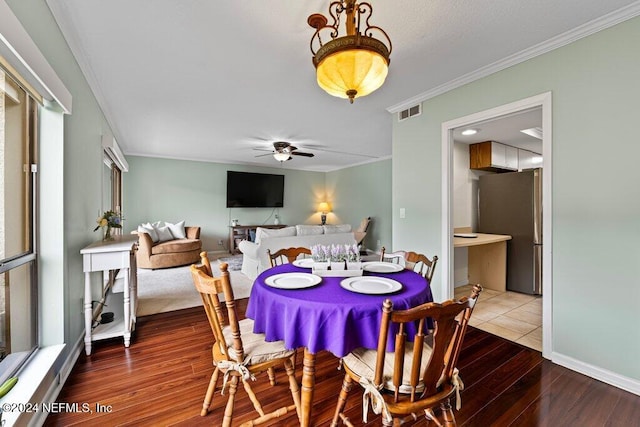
<point>286,254</point>
<point>419,263</point>
<point>238,353</point>
<point>396,257</point>
<point>417,376</point>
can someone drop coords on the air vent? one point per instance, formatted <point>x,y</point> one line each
<point>416,110</point>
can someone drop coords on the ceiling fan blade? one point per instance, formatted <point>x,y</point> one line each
<point>302,153</point>
<point>266,154</point>
<point>340,152</point>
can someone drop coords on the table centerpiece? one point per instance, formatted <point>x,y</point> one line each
<point>336,260</point>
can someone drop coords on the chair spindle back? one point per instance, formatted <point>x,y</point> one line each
<point>450,322</point>
<point>209,287</point>
<point>288,254</point>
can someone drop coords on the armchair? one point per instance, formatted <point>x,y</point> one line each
<point>171,253</point>
<point>361,231</point>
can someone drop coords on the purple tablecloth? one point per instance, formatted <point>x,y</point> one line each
<point>326,316</point>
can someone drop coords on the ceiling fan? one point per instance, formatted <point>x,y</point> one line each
<point>283,151</point>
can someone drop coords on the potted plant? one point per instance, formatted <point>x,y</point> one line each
<point>320,255</point>
<point>107,221</point>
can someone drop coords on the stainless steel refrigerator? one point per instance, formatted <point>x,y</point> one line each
<point>511,203</point>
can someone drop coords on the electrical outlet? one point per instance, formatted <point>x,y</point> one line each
<point>220,242</point>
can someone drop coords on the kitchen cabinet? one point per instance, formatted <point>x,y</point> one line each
<point>487,258</point>
<point>511,158</point>
<point>493,156</point>
<point>528,160</point>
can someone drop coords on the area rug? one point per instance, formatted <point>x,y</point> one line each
<point>170,289</point>
<point>235,262</point>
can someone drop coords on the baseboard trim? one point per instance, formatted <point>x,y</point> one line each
<point>61,377</point>
<point>460,283</point>
<point>625,383</point>
<point>70,361</point>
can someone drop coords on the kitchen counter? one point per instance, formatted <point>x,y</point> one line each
<point>481,239</point>
<point>487,259</point>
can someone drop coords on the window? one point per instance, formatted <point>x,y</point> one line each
<point>18,266</point>
<point>111,185</point>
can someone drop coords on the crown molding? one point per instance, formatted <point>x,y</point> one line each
<point>243,163</point>
<point>364,162</point>
<point>23,55</point>
<point>58,10</point>
<point>584,30</point>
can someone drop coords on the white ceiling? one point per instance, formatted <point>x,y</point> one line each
<point>214,80</point>
<point>507,130</point>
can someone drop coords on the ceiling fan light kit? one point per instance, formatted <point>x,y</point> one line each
<point>283,151</point>
<point>354,64</point>
<point>282,157</point>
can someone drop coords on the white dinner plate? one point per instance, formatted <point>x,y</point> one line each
<point>381,267</point>
<point>292,280</point>
<point>371,285</point>
<point>303,262</point>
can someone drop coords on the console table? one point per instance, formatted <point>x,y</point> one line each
<point>237,233</point>
<point>108,257</point>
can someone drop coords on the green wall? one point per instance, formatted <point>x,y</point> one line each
<point>172,190</point>
<point>359,192</point>
<point>596,204</point>
<point>76,198</point>
<point>155,189</point>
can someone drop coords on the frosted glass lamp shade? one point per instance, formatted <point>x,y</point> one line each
<point>352,73</point>
<point>356,63</point>
<point>281,157</point>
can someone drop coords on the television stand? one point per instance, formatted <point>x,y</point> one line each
<point>238,233</point>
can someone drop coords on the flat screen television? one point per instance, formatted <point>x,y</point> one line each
<point>254,190</point>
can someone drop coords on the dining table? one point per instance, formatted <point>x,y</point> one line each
<point>289,304</point>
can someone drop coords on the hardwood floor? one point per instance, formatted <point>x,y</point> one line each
<point>162,378</point>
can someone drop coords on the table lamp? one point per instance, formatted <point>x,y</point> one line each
<point>323,208</point>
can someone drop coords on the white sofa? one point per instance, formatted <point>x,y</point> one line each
<point>256,260</point>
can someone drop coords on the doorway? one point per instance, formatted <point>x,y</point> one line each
<point>542,101</point>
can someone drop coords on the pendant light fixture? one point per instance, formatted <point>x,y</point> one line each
<point>354,64</point>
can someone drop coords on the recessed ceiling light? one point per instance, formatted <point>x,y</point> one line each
<point>534,132</point>
<point>468,132</point>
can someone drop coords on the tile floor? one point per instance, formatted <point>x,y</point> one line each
<point>510,315</point>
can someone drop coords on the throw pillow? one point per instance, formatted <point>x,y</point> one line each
<point>309,230</point>
<point>150,230</point>
<point>177,230</point>
<point>333,229</point>
<point>164,234</point>
<point>269,232</point>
